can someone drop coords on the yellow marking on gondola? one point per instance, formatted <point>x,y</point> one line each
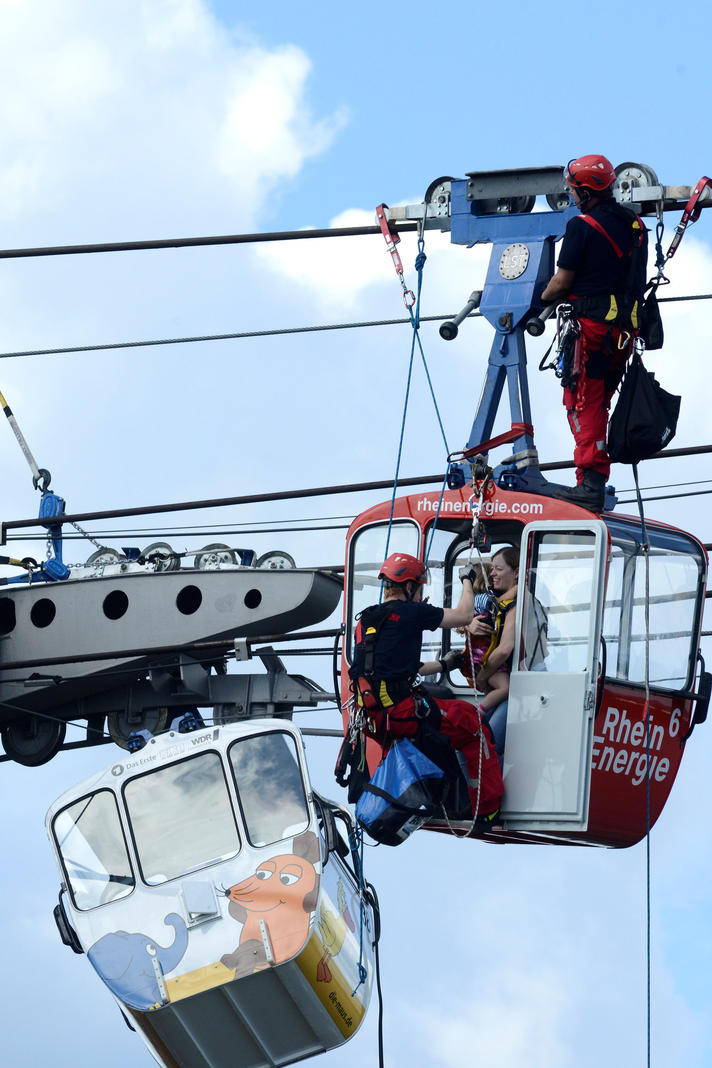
<point>195,982</point>
<point>346,1011</point>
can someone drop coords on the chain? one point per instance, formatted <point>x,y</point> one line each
<point>85,534</point>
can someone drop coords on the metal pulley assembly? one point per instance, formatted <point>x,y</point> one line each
<point>276,561</point>
<point>631,176</point>
<point>34,741</point>
<point>104,557</point>
<point>214,556</point>
<point>508,192</point>
<point>161,557</point>
<point>124,722</point>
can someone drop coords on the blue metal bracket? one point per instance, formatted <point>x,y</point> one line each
<point>53,569</point>
<point>521,263</point>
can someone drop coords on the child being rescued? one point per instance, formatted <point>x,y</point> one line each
<point>493,676</point>
<point>490,640</point>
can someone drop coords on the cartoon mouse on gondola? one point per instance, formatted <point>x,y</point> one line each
<point>277,900</point>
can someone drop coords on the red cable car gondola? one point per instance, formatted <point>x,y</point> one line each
<point>598,719</point>
<point>575,757</point>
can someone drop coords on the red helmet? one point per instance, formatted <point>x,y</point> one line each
<point>400,567</point>
<point>590,172</point>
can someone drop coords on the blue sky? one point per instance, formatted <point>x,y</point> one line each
<point>182,117</point>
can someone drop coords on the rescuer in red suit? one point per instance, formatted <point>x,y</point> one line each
<point>601,272</point>
<point>386,662</point>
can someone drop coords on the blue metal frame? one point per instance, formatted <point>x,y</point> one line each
<point>507,304</point>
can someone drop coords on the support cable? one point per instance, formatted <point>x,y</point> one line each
<point>645,549</point>
<point>376,940</point>
<point>198,530</point>
<point>194,242</point>
<point>317,491</point>
<point>276,332</point>
<point>239,336</point>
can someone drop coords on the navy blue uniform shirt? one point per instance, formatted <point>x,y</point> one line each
<point>586,252</point>
<point>397,653</point>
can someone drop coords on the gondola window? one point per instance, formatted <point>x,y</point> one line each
<point>675,586</point>
<point>93,850</point>
<point>270,787</point>
<point>181,818</point>
<point>558,595</point>
<point>368,551</point>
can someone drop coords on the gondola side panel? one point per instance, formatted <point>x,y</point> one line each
<point>618,806</point>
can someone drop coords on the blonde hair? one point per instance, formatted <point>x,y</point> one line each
<point>481,583</point>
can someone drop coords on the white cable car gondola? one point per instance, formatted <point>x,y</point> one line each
<point>207,885</point>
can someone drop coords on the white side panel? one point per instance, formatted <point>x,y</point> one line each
<point>547,756</point>
<point>548,743</point>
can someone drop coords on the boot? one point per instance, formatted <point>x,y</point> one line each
<point>588,494</point>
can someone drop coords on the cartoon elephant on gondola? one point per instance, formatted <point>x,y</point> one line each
<point>126,963</point>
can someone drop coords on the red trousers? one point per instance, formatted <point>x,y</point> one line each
<point>604,352</point>
<point>462,726</point>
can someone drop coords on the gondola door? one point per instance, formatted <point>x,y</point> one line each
<point>553,683</point>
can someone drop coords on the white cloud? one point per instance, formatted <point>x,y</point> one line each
<point>147,108</point>
<point>340,271</point>
<point>265,131</point>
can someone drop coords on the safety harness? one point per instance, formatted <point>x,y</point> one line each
<point>379,698</point>
<point>620,309</point>
<point>502,610</point>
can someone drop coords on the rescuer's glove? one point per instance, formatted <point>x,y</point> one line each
<point>450,660</point>
<point>468,572</point>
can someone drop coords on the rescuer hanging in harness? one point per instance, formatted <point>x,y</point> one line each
<point>386,664</point>
<point>601,273</point>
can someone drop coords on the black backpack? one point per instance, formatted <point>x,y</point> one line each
<point>624,307</point>
<point>645,417</point>
<point>651,326</point>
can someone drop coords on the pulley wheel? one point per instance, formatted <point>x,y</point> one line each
<point>161,555</point>
<point>105,556</point>
<point>276,561</point>
<point>33,742</point>
<point>121,726</point>
<point>522,205</point>
<point>636,174</point>
<point>558,201</point>
<point>214,556</point>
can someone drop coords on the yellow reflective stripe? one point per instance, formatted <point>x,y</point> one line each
<point>383,696</point>
<point>613,310</point>
<point>634,316</point>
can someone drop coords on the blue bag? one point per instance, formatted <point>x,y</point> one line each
<point>406,789</point>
